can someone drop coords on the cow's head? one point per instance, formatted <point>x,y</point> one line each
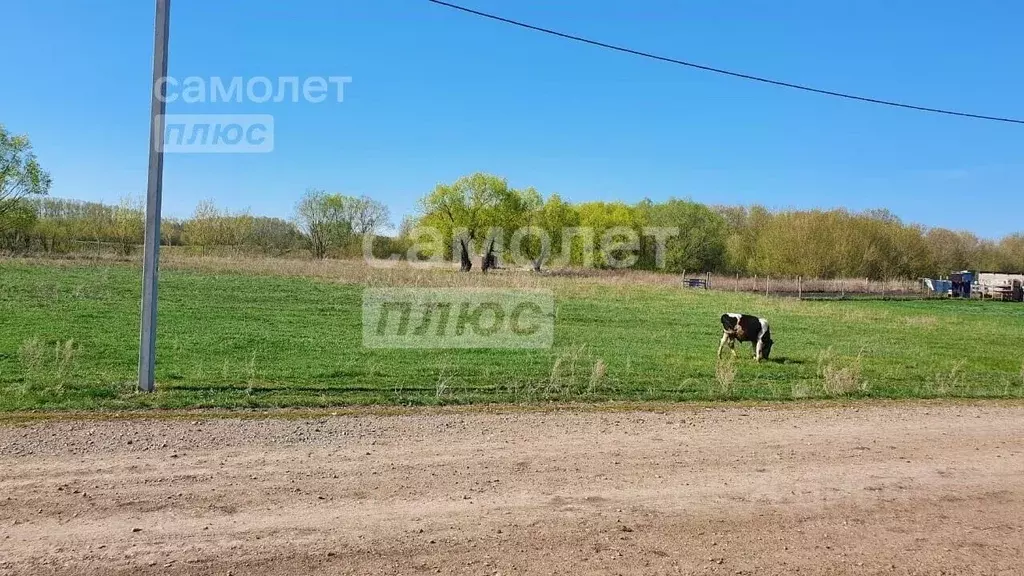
<point>766,346</point>
<point>729,322</point>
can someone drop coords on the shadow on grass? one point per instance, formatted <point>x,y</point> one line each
<point>775,360</point>
<point>786,360</point>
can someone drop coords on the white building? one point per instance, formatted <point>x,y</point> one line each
<point>999,286</point>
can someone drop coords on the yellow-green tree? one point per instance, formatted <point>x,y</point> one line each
<point>21,176</point>
<point>129,224</point>
<point>470,214</point>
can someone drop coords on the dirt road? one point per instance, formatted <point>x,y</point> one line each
<point>874,489</point>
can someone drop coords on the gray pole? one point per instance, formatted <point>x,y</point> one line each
<point>154,192</point>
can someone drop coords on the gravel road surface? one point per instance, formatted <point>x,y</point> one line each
<point>894,489</point>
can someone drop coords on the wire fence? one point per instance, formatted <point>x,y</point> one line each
<point>812,288</point>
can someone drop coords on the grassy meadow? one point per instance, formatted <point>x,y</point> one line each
<point>277,333</point>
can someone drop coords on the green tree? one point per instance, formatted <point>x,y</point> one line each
<point>274,235</point>
<point>531,241</point>
<point>21,223</point>
<point>20,175</point>
<point>952,251</point>
<point>1011,250</point>
<point>172,231</point>
<point>698,236</point>
<point>607,234</point>
<point>203,228</point>
<point>474,209</point>
<point>548,224</point>
<point>321,217</point>
<point>129,224</point>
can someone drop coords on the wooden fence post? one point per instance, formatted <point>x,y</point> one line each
<point>799,287</point>
<point>707,283</point>
<point>766,280</point>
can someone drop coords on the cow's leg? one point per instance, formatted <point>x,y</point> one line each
<point>725,339</point>
<point>758,349</point>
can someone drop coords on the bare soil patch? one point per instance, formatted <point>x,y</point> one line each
<point>914,488</point>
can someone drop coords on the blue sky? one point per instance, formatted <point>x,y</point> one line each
<point>436,94</point>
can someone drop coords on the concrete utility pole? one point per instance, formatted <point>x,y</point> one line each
<point>154,193</point>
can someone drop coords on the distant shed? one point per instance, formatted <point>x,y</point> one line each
<point>961,283</point>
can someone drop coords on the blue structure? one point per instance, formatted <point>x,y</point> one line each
<point>940,287</point>
<point>962,283</point>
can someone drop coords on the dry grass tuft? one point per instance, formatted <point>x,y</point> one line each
<point>802,390</point>
<point>725,375</point>
<point>839,378</point>
<point>597,376</point>
<point>575,373</point>
<point>251,371</point>
<point>64,359</point>
<point>442,386</point>
<point>948,382</point>
<point>31,355</point>
<point>51,374</point>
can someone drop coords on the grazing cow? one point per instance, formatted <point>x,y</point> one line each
<point>746,328</point>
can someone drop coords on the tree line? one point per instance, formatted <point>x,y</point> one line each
<point>461,221</point>
<point>325,225</point>
<point>480,218</point>
<point>752,240</point>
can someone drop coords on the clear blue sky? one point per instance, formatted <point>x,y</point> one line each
<point>436,94</point>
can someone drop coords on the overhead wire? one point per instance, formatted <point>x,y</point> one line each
<point>722,71</point>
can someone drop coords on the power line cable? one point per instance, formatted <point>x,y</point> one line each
<point>721,71</point>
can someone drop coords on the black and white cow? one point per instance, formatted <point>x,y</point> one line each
<point>746,328</point>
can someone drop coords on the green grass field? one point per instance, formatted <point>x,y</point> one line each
<point>236,339</point>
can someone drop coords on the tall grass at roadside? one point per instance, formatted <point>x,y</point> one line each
<point>46,367</point>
